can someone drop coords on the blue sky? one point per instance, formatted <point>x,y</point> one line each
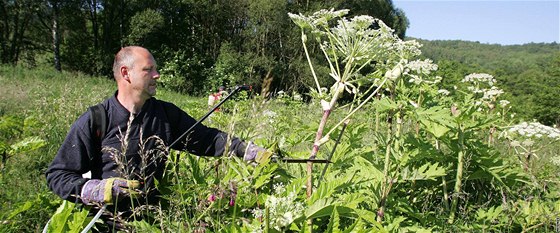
<point>503,22</point>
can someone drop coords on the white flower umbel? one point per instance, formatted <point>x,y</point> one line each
<point>482,86</point>
<point>349,46</point>
<point>283,208</point>
<point>478,78</point>
<point>535,129</point>
<point>504,103</point>
<point>443,92</point>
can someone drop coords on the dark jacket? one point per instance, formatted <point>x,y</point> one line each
<point>158,122</point>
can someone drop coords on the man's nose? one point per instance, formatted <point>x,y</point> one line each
<point>155,75</point>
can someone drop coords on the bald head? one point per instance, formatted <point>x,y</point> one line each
<point>126,57</point>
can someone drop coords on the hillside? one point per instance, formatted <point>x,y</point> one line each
<point>529,73</point>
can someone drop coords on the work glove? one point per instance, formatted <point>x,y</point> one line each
<point>256,153</point>
<point>107,191</point>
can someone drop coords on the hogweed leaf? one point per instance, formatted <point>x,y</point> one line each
<point>334,222</point>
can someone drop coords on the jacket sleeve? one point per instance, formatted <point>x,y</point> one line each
<point>64,175</point>
<point>203,140</point>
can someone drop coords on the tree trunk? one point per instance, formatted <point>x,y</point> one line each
<point>94,24</point>
<point>5,33</point>
<point>55,35</point>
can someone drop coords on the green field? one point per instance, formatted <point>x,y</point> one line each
<point>507,184</point>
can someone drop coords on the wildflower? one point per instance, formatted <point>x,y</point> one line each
<point>443,92</point>
<point>233,193</point>
<point>504,103</point>
<point>421,67</point>
<point>555,160</point>
<point>535,129</point>
<point>211,198</point>
<point>279,188</point>
<point>270,114</point>
<point>283,209</point>
<point>477,78</point>
<point>492,93</point>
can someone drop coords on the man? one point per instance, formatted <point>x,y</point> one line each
<point>215,98</point>
<point>137,124</point>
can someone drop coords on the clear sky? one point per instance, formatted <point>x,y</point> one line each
<point>503,22</point>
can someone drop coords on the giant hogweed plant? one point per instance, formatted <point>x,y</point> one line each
<point>349,47</point>
<point>425,130</point>
<point>432,135</point>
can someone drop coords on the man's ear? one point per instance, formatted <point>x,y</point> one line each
<point>124,73</point>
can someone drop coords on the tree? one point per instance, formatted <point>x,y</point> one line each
<point>16,17</point>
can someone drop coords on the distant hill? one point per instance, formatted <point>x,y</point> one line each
<point>529,73</point>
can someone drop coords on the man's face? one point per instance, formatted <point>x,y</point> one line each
<point>144,74</point>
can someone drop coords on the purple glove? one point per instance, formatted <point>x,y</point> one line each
<point>106,191</point>
<point>256,153</point>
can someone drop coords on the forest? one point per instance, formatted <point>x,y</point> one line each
<point>422,136</point>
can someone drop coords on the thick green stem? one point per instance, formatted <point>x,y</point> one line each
<point>386,185</point>
<point>303,39</point>
<point>358,107</point>
<point>314,151</point>
<point>458,178</point>
<point>444,184</point>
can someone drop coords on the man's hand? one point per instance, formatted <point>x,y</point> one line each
<point>106,191</point>
<point>256,153</point>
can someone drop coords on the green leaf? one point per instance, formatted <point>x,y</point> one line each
<point>143,226</point>
<point>22,208</point>
<point>489,215</point>
<point>196,172</point>
<point>328,188</point>
<point>436,120</point>
<point>385,104</point>
<point>334,222</point>
<point>325,207</point>
<point>427,171</point>
<point>59,220</point>
<point>26,145</point>
<point>79,220</point>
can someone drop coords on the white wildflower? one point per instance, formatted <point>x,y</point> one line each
<point>479,78</point>
<point>492,93</point>
<point>421,67</point>
<point>504,103</point>
<point>555,160</point>
<point>283,209</point>
<point>443,92</point>
<point>535,129</point>
<point>271,115</point>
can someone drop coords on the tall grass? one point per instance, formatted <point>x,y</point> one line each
<point>55,100</point>
<point>353,180</point>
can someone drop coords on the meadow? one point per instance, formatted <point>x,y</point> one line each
<point>503,189</point>
<point>406,155</point>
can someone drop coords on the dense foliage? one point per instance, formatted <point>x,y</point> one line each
<point>530,73</point>
<point>194,41</point>
<point>201,45</point>
<point>409,150</point>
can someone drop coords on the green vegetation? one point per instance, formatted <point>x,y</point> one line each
<point>191,39</point>
<point>415,158</point>
<point>201,45</point>
<point>425,145</point>
<point>529,74</point>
